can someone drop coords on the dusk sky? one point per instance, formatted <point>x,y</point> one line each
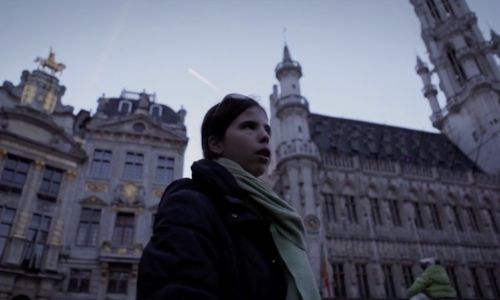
<point>357,56</point>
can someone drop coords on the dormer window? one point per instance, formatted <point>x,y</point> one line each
<point>125,107</point>
<point>155,110</point>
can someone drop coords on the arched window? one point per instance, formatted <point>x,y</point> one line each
<point>125,107</point>
<point>155,110</point>
<point>458,71</point>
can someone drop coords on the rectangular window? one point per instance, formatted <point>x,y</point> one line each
<point>448,8</point>
<point>101,163</point>
<point>164,170</point>
<point>339,289</point>
<point>362,277</point>
<point>390,291</point>
<point>453,276</point>
<point>331,213</point>
<point>419,223</point>
<point>490,272</point>
<point>14,174</point>
<point>118,281</point>
<point>394,208</point>
<point>88,228</point>
<point>408,275</point>
<point>51,183</point>
<point>458,220</point>
<point>476,283</point>
<point>79,281</point>
<point>37,238</point>
<point>375,209</point>
<point>133,166</point>
<point>123,234</point>
<point>493,221</point>
<point>436,220</point>
<point>433,10</point>
<point>472,219</point>
<point>6,219</point>
<point>352,216</point>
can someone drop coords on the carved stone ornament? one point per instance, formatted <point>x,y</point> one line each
<point>129,194</point>
<point>312,222</point>
<point>96,187</point>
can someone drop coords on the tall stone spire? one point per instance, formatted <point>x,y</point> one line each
<point>469,79</point>
<point>296,157</point>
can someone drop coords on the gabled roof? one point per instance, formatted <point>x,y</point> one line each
<point>347,137</point>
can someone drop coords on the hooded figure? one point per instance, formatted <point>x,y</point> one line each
<point>433,283</point>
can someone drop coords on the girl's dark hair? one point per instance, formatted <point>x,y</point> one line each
<point>220,116</point>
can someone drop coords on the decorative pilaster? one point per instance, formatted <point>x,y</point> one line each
<point>55,239</point>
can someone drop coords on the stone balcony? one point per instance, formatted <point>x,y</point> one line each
<point>296,147</point>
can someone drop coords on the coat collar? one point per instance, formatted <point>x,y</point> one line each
<point>222,187</point>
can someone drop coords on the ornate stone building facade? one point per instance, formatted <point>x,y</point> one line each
<point>78,192</point>
<point>375,198</point>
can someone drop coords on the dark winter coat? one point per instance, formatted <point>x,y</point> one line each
<point>207,244</point>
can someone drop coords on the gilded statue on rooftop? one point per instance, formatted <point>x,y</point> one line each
<point>50,63</point>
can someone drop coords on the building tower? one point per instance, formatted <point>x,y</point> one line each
<point>469,78</point>
<point>296,157</point>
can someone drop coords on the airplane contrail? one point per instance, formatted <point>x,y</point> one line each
<point>203,79</point>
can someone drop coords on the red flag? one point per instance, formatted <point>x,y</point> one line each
<point>326,274</point>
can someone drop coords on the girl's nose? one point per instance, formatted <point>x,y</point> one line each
<point>264,136</point>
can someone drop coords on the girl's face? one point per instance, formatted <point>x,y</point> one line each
<point>246,141</point>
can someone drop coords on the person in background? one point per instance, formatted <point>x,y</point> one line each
<point>224,234</point>
<point>433,283</point>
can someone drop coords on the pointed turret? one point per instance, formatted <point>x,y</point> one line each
<point>429,90</point>
<point>296,156</point>
<point>287,65</point>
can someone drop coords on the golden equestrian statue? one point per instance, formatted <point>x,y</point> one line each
<point>50,63</point>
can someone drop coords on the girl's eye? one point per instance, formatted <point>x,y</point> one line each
<point>249,126</point>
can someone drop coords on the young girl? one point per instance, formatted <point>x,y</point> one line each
<point>224,234</point>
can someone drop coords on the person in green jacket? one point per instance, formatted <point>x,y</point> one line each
<point>433,283</point>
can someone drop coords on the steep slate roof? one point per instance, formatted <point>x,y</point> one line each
<point>350,137</point>
<point>110,109</point>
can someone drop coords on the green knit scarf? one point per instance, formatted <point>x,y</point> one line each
<point>286,228</point>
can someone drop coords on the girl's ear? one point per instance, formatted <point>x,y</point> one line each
<point>215,145</point>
